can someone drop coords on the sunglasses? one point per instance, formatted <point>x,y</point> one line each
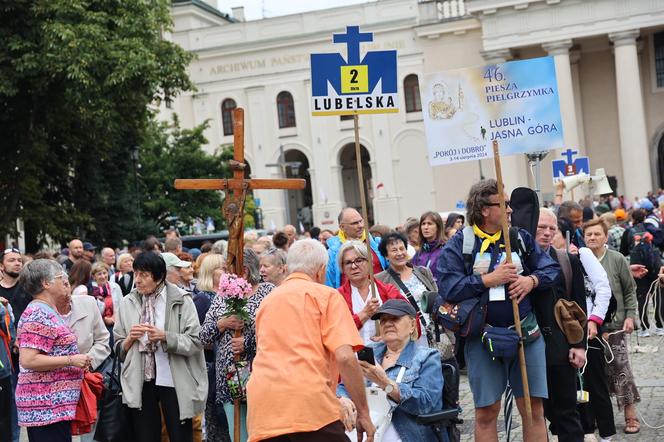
<point>10,250</point>
<point>508,203</point>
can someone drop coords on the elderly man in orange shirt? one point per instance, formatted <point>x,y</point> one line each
<point>305,339</point>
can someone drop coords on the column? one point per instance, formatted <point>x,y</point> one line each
<point>560,52</point>
<point>631,116</point>
<point>575,57</point>
<point>514,166</point>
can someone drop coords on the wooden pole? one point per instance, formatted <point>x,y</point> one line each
<point>508,258</point>
<point>238,153</point>
<point>363,199</point>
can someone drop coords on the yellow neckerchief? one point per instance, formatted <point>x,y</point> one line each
<point>343,239</point>
<point>487,239</point>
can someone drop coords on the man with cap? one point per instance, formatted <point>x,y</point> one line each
<point>178,272</point>
<point>89,251</point>
<point>565,346</point>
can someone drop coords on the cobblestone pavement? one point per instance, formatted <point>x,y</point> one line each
<point>649,374</point>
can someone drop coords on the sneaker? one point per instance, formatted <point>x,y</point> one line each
<point>589,438</point>
<point>643,334</point>
<point>659,331</point>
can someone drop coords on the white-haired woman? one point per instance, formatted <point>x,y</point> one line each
<point>273,266</point>
<point>219,330</point>
<point>356,289</point>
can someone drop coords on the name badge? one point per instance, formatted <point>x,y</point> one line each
<point>497,293</point>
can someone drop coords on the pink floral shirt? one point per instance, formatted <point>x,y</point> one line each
<point>46,397</point>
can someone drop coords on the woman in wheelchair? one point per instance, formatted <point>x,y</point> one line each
<point>410,375</point>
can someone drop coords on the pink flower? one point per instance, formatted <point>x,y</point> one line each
<point>232,286</point>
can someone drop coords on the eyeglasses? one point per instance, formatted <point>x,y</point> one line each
<point>65,278</point>
<point>508,203</point>
<point>356,262</point>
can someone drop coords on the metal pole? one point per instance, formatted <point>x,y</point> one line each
<point>481,171</point>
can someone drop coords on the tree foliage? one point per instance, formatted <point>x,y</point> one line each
<point>76,79</point>
<point>170,152</point>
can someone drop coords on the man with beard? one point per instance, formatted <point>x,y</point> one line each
<point>76,253</point>
<point>10,266</point>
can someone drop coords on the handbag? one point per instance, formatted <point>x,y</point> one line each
<point>114,422</point>
<point>236,376</point>
<point>380,409</point>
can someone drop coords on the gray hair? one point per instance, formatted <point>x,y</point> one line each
<point>306,256</point>
<point>219,247</point>
<point>567,207</point>
<point>253,266</point>
<point>359,247</point>
<point>36,273</point>
<point>478,199</point>
<point>548,212</point>
<point>172,245</point>
<point>276,256</point>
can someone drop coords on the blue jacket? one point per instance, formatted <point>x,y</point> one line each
<point>456,284</point>
<point>333,275</point>
<point>421,389</point>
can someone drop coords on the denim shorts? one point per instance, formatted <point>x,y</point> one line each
<point>488,377</point>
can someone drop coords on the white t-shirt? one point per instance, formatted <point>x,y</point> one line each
<point>368,330</point>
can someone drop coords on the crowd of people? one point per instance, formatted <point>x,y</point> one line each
<point>583,280</point>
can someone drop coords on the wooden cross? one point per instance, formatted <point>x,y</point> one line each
<point>236,187</point>
<point>233,210</point>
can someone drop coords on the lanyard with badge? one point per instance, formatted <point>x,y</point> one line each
<point>484,262</point>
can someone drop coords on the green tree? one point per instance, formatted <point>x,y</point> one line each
<point>76,79</point>
<point>170,152</point>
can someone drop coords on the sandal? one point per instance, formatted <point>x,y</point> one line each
<point>632,425</point>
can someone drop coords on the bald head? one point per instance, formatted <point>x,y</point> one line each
<point>290,232</point>
<point>75,249</point>
<point>108,256</point>
<point>351,223</point>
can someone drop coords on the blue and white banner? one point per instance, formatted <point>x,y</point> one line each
<point>515,103</point>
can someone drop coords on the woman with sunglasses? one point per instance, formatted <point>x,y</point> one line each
<point>356,290</point>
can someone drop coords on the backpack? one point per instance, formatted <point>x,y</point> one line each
<point>642,250</point>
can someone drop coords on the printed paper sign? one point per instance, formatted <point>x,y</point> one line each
<point>347,87</point>
<point>515,103</point>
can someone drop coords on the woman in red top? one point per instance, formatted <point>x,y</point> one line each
<point>356,288</point>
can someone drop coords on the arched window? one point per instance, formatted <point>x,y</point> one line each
<point>286,110</point>
<point>227,107</point>
<point>411,89</point>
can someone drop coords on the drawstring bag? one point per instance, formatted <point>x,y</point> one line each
<point>500,342</point>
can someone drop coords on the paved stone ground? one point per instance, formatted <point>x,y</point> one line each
<point>649,374</point>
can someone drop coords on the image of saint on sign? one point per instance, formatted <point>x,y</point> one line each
<point>442,107</point>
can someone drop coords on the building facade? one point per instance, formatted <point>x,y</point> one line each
<point>609,57</point>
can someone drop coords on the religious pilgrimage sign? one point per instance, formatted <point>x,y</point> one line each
<point>514,103</point>
<point>569,166</point>
<point>354,86</point>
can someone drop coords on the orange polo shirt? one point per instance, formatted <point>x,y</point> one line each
<point>294,375</point>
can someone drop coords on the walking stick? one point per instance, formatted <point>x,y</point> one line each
<point>508,258</point>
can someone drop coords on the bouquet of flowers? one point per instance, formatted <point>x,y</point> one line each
<point>234,290</point>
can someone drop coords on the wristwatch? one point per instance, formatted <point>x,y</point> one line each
<point>389,388</point>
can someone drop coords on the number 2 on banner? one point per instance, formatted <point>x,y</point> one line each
<point>354,79</point>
